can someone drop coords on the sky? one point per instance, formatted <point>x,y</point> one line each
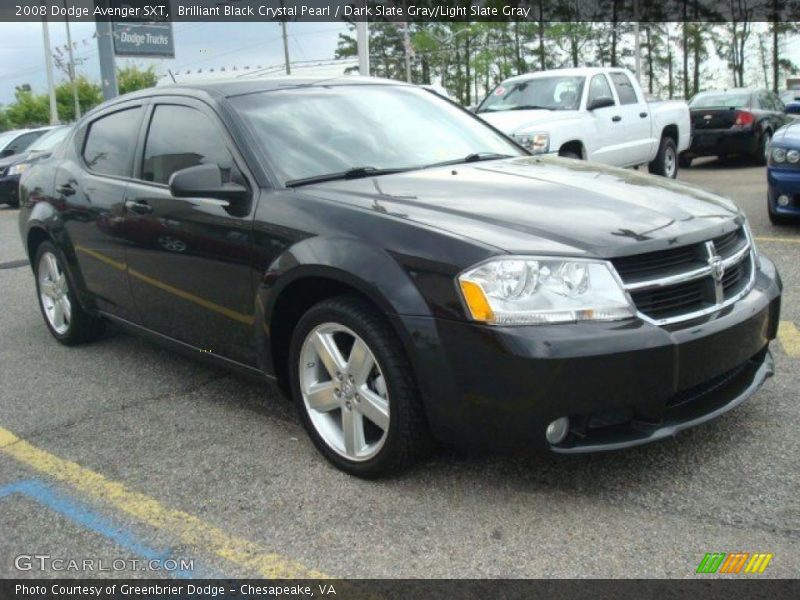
<point>197,46</point>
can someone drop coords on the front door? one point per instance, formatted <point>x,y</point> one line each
<point>190,258</point>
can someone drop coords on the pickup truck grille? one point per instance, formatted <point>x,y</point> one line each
<point>691,281</point>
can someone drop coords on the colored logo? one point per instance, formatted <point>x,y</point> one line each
<point>734,563</point>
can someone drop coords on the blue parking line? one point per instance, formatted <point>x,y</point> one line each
<point>79,513</point>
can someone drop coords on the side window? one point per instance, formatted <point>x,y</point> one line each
<point>763,101</point>
<point>599,88</point>
<point>23,141</point>
<point>180,137</point>
<point>625,89</point>
<point>777,105</point>
<point>109,141</point>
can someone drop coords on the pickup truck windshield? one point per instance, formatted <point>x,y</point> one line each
<point>317,131</point>
<point>717,100</point>
<point>551,93</point>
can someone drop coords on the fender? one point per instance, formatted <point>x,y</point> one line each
<point>380,278</point>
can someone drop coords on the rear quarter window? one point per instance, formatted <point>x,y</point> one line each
<point>624,87</point>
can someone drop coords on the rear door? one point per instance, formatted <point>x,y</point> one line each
<point>634,130</point>
<point>89,190</point>
<point>190,258</point>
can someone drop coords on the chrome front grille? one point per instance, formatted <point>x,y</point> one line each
<point>689,282</point>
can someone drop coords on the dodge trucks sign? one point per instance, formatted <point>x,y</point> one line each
<point>152,39</point>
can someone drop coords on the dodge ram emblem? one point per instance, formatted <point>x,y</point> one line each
<point>717,267</point>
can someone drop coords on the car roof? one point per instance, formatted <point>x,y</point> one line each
<point>228,88</point>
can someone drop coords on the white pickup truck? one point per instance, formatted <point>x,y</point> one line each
<point>597,114</point>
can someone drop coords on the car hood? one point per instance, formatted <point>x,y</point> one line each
<point>526,121</point>
<point>12,160</point>
<point>790,134</point>
<point>548,205</point>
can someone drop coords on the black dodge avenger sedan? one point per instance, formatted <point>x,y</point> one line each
<point>404,271</point>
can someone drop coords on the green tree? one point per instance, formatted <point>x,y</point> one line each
<point>28,109</point>
<point>5,124</point>
<point>89,96</point>
<point>133,77</point>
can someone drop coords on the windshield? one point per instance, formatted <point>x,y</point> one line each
<point>721,100</point>
<point>6,138</point>
<point>552,93</point>
<point>315,131</point>
<point>49,140</point>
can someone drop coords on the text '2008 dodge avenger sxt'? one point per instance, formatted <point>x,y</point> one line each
<point>404,271</point>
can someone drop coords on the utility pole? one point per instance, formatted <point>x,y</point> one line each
<point>71,67</point>
<point>285,45</point>
<point>362,40</point>
<point>407,51</point>
<point>637,46</point>
<point>48,62</point>
<point>286,49</point>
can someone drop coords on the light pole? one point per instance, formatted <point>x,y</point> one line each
<point>48,61</point>
<point>362,40</point>
<point>71,68</point>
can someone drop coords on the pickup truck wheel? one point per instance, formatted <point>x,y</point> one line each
<point>355,390</point>
<point>63,314</point>
<point>569,154</point>
<point>666,161</point>
<point>684,161</point>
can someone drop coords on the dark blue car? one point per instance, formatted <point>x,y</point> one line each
<point>783,175</point>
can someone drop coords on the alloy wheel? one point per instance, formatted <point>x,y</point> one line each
<point>670,161</point>
<point>54,293</point>
<point>344,391</point>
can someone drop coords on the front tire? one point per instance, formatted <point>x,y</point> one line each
<point>666,161</point>
<point>355,390</point>
<point>63,314</point>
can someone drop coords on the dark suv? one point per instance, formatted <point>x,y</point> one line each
<point>403,270</point>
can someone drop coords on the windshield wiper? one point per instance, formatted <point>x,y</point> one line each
<point>531,107</point>
<point>354,173</point>
<point>470,158</point>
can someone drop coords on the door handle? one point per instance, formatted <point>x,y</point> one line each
<point>643,114</point>
<point>140,207</point>
<point>65,189</point>
<point>616,118</point>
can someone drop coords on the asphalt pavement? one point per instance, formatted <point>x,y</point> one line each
<point>123,450</point>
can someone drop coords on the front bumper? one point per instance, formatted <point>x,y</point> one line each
<point>784,182</point>
<point>9,189</point>
<point>621,383</point>
<point>720,142</point>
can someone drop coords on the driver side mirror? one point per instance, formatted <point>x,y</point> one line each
<point>204,181</point>
<point>600,102</point>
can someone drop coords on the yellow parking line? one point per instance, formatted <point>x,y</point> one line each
<point>789,336</point>
<point>787,240</point>
<point>189,529</point>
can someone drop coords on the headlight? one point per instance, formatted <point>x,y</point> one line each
<point>793,156</point>
<point>778,155</point>
<point>18,169</point>
<point>538,143</point>
<point>523,290</point>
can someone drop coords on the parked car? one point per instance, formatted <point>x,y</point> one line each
<point>597,114</point>
<point>791,101</point>
<point>739,121</point>
<point>18,140</point>
<point>783,175</point>
<point>12,167</point>
<point>403,271</point>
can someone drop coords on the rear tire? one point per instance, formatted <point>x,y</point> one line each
<point>62,312</point>
<point>666,161</point>
<point>335,398</point>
